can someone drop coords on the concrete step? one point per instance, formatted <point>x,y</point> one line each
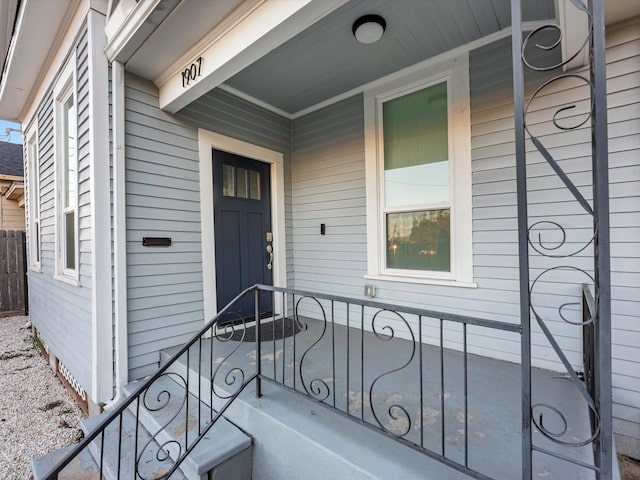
<point>122,439</point>
<point>224,453</point>
<point>82,467</point>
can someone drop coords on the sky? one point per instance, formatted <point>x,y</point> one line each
<point>13,137</point>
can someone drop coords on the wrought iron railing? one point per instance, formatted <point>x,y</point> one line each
<point>560,250</point>
<point>123,448</point>
<point>401,371</point>
<point>320,346</point>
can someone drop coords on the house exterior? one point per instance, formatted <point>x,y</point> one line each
<point>11,187</point>
<point>149,124</point>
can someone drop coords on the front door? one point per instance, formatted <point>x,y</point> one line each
<point>242,227</point>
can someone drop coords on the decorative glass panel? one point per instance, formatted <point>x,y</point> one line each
<point>242,183</point>
<point>70,240</point>
<point>254,185</point>
<point>228,181</point>
<point>419,240</point>
<point>416,148</point>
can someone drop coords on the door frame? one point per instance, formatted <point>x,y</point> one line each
<point>207,141</point>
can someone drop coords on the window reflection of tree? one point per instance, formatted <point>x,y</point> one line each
<point>420,241</point>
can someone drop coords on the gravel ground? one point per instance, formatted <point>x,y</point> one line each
<point>37,414</point>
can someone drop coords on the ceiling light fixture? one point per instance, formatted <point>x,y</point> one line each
<point>369,28</point>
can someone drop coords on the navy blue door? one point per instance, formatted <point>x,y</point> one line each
<point>242,223</point>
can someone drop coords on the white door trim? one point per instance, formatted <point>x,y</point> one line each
<point>207,141</point>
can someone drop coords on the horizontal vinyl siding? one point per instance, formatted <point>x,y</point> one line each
<point>226,114</point>
<point>329,187</point>
<point>164,285</point>
<point>623,71</point>
<point>60,311</point>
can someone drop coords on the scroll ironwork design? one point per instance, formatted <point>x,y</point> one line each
<point>549,238</point>
<point>395,411</point>
<point>157,402</point>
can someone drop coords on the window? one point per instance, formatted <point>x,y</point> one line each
<point>417,149</point>
<point>33,160</point>
<point>66,176</point>
<point>240,182</point>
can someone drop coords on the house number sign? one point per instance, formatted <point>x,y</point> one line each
<point>192,72</point>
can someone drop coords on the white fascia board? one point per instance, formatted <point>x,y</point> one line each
<point>28,65</point>
<point>225,53</point>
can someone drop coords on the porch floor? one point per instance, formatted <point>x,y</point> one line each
<point>375,380</point>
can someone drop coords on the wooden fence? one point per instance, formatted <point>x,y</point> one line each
<point>13,272</point>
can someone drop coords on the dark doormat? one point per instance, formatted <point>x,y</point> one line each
<point>269,331</point>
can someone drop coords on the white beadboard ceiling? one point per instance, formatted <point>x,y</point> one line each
<point>325,60</point>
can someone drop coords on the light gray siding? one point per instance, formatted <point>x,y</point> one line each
<point>623,72</point>
<point>61,311</point>
<point>226,114</point>
<point>164,285</point>
<point>329,187</point>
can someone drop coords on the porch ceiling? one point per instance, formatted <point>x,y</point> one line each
<point>193,20</point>
<point>325,60</point>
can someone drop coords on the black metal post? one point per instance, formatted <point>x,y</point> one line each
<point>599,146</point>
<point>258,350</point>
<point>523,248</point>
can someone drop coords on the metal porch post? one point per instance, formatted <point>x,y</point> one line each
<point>521,182</point>
<point>599,145</point>
<point>258,350</point>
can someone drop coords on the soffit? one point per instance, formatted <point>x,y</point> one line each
<point>187,23</point>
<point>36,39</point>
<point>8,11</point>
<point>325,60</point>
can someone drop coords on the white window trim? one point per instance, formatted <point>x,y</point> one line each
<point>33,166</point>
<point>455,71</point>
<point>66,86</point>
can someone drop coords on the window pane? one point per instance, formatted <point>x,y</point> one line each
<point>242,183</point>
<point>419,240</point>
<point>416,148</point>
<point>70,240</point>
<point>69,145</point>
<point>34,173</point>
<point>228,181</point>
<point>254,185</point>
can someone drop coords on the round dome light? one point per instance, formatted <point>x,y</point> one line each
<point>369,28</point>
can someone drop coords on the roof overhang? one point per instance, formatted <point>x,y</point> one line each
<point>8,11</point>
<point>38,25</point>
<point>15,191</point>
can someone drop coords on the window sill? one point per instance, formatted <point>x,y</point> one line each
<point>35,268</point>
<point>422,280</point>
<point>68,280</point>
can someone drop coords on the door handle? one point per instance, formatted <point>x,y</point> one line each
<point>270,252</point>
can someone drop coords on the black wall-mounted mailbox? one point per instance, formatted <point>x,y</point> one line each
<point>156,241</point>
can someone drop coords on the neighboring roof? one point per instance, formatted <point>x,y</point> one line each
<point>11,159</point>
